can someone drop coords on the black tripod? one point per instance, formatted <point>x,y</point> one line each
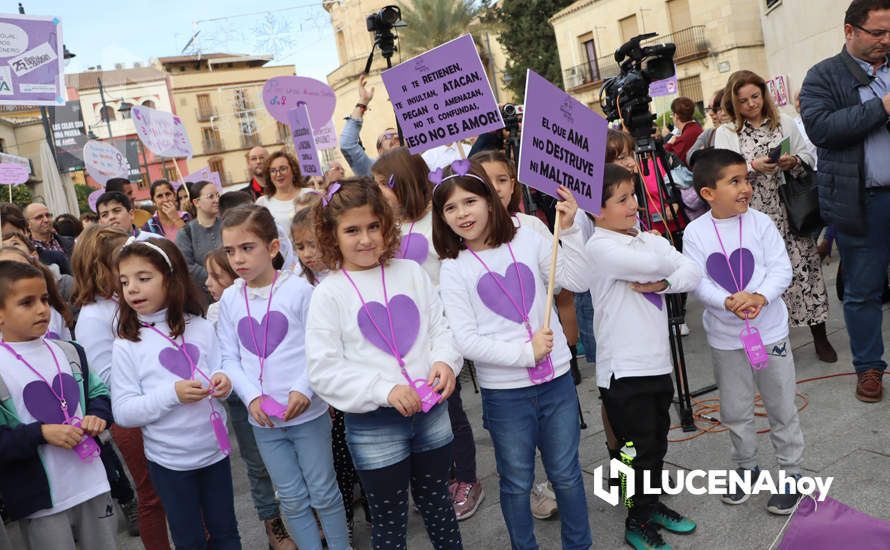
<point>386,40</point>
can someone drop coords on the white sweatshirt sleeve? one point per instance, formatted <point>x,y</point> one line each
<point>96,336</point>
<point>131,407</point>
<point>778,265</point>
<point>571,274</point>
<point>622,263</point>
<point>463,322</point>
<point>709,292</point>
<point>686,275</point>
<point>230,348</point>
<point>301,381</point>
<point>444,348</point>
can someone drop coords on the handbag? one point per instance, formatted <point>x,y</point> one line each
<point>800,195</point>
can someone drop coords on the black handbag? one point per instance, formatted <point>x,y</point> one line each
<point>800,195</point>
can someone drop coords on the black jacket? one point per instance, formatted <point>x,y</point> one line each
<point>837,122</point>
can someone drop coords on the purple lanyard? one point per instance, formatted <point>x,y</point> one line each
<point>63,404</point>
<point>407,243</point>
<point>391,340</point>
<point>256,345</point>
<point>521,312</point>
<point>738,283</point>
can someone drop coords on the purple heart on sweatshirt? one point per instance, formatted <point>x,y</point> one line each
<point>176,362</point>
<point>415,247</point>
<point>44,406</point>
<point>518,281</point>
<point>405,323</point>
<point>269,333</point>
<point>721,274</point>
<point>656,299</point>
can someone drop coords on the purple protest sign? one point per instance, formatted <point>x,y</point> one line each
<point>31,61</point>
<point>563,143</point>
<point>442,96</point>
<point>162,132</point>
<point>667,86</point>
<point>304,143</point>
<point>283,93</point>
<point>13,173</point>
<point>326,136</point>
<point>205,174</point>
<point>93,198</point>
<point>103,162</point>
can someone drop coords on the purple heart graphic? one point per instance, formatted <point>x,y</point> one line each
<point>44,406</point>
<point>274,321</point>
<point>405,323</point>
<point>176,362</point>
<point>493,295</point>
<point>728,278</point>
<point>654,298</point>
<point>415,247</point>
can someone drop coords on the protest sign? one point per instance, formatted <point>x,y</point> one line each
<point>31,61</point>
<point>103,162</point>
<point>664,87</point>
<point>283,93</point>
<point>93,198</point>
<point>442,96</point>
<point>304,143</point>
<point>563,143</point>
<point>205,174</point>
<point>326,137</point>
<point>162,132</point>
<point>69,135</point>
<point>12,173</point>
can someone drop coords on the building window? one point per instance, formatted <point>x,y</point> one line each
<point>216,165</point>
<point>211,140</point>
<point>170,172</point>
<point>679,13</point>
<point>283,132</point>
<point>589,54</point>
<point>691,87</point>
<point>149,103</point>
<point>629,27</point>
<point>771,3</point>
<point>205,108</point>
<point>2,145</point>
<point>107,114</point>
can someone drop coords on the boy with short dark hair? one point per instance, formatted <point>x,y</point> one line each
<point>116,210</point>
<point>628,272</point>
<point>746,270</point>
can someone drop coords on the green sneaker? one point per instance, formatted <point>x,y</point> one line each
<point>643,536</point>
<point>671,520</point>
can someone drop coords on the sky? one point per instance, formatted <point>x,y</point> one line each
<point>106,32</point>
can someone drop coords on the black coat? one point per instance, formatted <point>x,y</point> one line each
<point>838,122</point>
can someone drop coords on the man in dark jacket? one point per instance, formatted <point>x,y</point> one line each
<point>845,106</point>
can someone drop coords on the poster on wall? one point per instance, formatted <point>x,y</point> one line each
<point>31,61</point>
<point>780,90</point>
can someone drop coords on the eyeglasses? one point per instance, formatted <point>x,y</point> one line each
<point>875,33</point>
<point>282,170</point>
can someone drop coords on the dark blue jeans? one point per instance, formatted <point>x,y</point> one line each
<point>584,313</point>
<point>865,260</point>
<point>544,417</point>
<point>198,499</point>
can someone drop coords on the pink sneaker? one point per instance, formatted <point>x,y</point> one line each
<point>466,498</point>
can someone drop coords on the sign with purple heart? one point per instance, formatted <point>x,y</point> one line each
<point>43,404</point>
<point>13,173</point>
<point>720,272</point>
<point>374,318</point>
<point>442,96</point>
<point>205,174</point>
<point>304,143</point>
<point>162,132</point>
<point>103,161</point>
<point>326,136</point>
<point>563,143</point>
<point>502,294</point>
<point>31,61</point>
<point>262,339</point>
<point>283,93</point>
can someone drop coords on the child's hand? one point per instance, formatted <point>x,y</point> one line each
<point>257,413</point>
<point>296,404</point>
<point>404,399</point>
<point>445,375</point>
<point>93,425</point>
<point>568,206</point>
<point>657,286</point>
<point>190,391</point>
<point>748,305</point>
<point>542,343</point>
<point>65,436</point>
<point>221,385</point>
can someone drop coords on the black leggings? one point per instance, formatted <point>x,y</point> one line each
<point>387,491</point>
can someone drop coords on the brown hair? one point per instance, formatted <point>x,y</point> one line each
<point>736,81</point>
<point>183,295</point>
<point>353,193</point>
<point>92,263</point>
<point>304,220</point>
<point>409,175</point>
<point>717,100</point>
<point>10,213</point>
<point>497,155</point>
<point>500,226</point>
<point>219,257</point>
<point>613,176</point>
<point>617,142</point>
<point>52,289</point>
<point>269,187</point>
<point>684,108</point>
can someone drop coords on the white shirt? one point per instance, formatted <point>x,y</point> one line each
<point>284,369</point>
<point>282,211</point>
<point>499,346</point>
<point>770,277</point>
<point>345,368</point>
<point>57,327</point>
<point>71,482</point>
<point>177,436</point>
<point>96,329</point>
<point>631,330</point>
<point>415,237</point>
<point>442,156</point>
<point>534,223</point>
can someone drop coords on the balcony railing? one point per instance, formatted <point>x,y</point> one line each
<point>591,72</point>
<point>212,145</point>
<point>691,43</point>
<point>250,140</point>
<point>204,114</point>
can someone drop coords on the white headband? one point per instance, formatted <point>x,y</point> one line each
<point>132,240</point>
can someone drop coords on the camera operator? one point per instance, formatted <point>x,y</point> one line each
<point>350,140</point>
<point>682,110</point>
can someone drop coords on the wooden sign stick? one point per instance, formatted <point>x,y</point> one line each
<point>551,282</point>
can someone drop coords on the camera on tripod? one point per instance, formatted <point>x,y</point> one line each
<point>511,114</point>
<point>381,24</point>
<point>626,96</point>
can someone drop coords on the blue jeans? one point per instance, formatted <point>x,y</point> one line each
<point>384,437</point>
<point>261,489</point>
<point>301,465</point>
<point>198,499</point>
<point>543,416</point>
<point>584,314</point>
<point>865,259</point>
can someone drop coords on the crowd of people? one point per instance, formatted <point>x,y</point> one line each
<point>327,322</point>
